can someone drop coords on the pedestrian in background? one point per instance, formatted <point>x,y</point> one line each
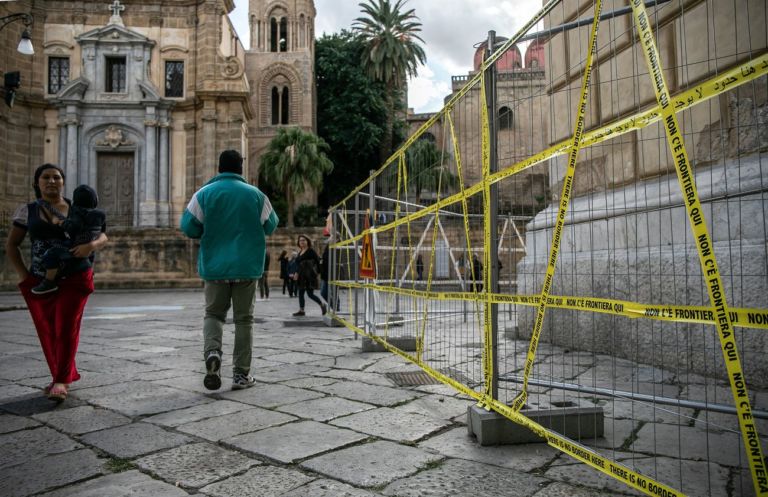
<point>293,273</point>
<point>232,220</point>
<point>56,315</point>
<point>306,278</point>
<point>419,268</point>
<point>264,281</point>
<point>283,260</point>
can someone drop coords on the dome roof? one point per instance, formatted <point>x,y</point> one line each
<point>510,61</point>
<point>534,55</point>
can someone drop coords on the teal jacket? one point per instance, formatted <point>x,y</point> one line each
<point>232,220</point>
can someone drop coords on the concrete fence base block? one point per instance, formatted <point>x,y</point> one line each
<point>331,321</point>
<point>403,343</point>
<point>491,428</point>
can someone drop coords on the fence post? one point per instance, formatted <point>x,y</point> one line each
<point>356,265</point>
<point>493,216</point>
<point>371,300</point>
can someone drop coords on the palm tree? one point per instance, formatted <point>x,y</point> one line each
<point>293,159</point>
<point>391,53</point>
<point>428,169</point>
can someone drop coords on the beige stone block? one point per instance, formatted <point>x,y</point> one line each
<point>653,154</point>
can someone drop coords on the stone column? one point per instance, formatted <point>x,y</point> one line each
<point>70,168</point>
<point>209,158</point>
<point>148,204</point>
<point>163,208</point>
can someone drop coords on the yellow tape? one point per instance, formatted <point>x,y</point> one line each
<point>742,317</point>
<point>728,80</point>
<point>616,470</point>
<point>565,198</point>
<point>707,258</point>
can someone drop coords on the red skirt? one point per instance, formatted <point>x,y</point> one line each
<point>57,316</point>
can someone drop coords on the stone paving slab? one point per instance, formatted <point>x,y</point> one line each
<point>127,484</point>
<point>392,424</point>
<point>197,413</point>
<point>271,396</point>
<point>307,438</point>
<point>195,465</point>
<point>286,372</point>
<point>83,419</point>
<point>455,477</point>
<point>308,382</point>
<point>9,423</point>
<point>49,472</point>
<point>563,490</point>
<point>328,488</point>
<point>688,442</point>
<point>22,446</point>
<point>358,376</point>
<point>136,398</point>
<point>37,403</point>
<point>437,406</point>
<point>295,357</point>
<point>567,470</point>
<point>230,425</point>
<point>325,408</point>
<point>18,367</point>
<point>371,465</point>
<point>370,394</point>
<point>13,391</point>
<point>133,440</point>
<point>264,481</point>
<point>458,444</point>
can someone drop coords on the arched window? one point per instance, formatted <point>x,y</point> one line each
<point>428,136</point>
<point>283,34</point>
<point>506,118</point>
<point>280,105</point>
<point>273,35</point>
<point>534,62</point>
<point>302,32</point>
<point>275,105</point>
<point>284,106</point>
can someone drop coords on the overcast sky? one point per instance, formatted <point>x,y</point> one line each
<point>450,28</point>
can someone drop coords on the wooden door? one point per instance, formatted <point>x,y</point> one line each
<point>116,188</point>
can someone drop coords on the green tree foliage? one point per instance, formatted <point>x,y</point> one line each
<point>428,169</point>
<point>351,111</point>
<point>293,159</point>
<point>391,53</point>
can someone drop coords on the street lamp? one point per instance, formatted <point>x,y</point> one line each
<point>25,44</point>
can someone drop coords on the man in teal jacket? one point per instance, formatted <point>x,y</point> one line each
<point>232,220</point>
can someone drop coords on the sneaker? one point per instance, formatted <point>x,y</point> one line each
<point>241,381</point>
<point>45,286</point>
<point>299,313</point>
<point>212,380</point>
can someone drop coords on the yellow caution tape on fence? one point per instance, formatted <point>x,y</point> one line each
<point>725,81</point>
<point>565,199</point>
<point>741,317</point>
<point>707,257</point>
<point>574,449</point>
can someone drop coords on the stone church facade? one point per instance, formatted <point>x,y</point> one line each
<point>138,98</point>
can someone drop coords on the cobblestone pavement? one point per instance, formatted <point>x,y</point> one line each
<point>322,421</point>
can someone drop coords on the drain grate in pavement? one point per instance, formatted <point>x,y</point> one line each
<point>411,378</point>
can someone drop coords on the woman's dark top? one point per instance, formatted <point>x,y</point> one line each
<point>308,264</point>
<point>43,235</point>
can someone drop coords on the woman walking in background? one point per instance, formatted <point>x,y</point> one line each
<point>306,277</point>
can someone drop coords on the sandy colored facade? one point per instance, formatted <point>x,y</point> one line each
<point>138,98</point>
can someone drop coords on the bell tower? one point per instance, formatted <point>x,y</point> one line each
<point>280,66</point>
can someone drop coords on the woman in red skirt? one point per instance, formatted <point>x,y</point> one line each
<point>56,315</point>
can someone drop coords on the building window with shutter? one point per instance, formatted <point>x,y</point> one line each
<point>174,79</point>
<point>506,118</point>
<point>58,73</point>
<point>115,75</point>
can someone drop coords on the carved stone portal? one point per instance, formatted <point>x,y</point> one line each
<point>113,137</point>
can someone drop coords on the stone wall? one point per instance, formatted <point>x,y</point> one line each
<point>157,258</point>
